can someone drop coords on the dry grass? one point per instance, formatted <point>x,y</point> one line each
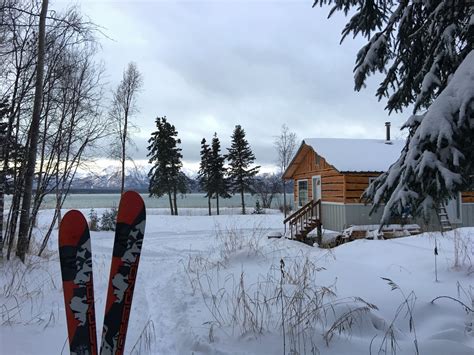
<point>145,340</point>
<point>286,300</point>
<point>22,293</point>
<point>463,250</point>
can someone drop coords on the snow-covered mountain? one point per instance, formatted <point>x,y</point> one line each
<point>110,178</point>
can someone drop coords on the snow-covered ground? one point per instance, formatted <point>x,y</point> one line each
<point>216,285</point>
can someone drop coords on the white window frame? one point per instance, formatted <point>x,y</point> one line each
<point>299,192</point>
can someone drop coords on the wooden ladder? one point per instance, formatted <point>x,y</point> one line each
<point>444,218</point>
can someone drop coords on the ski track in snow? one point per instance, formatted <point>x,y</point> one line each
<point>169,308</point>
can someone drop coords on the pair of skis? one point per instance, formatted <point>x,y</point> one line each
<point>76,268</point>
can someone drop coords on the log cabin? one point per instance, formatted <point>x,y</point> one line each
<point>337,171</point>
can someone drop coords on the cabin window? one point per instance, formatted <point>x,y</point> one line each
<point>302,192</point>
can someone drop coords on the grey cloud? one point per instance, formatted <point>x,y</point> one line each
<point>211,65</point>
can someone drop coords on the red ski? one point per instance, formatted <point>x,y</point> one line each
<point>123,271</point>
<point>76,270</point>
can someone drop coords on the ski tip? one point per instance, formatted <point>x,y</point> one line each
<point>73,225</point>
<point>131,205</point>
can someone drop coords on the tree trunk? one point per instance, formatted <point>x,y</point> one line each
<point>209,204</point>
<point>175,203</point>
<point>2,206</point>
<point>44,243</point>
<point>34,216</point>
<point>59,204</point>
<point>243,201</point>
<point>122,185</point>
<point>171,202</point>
<point>217,203</point>
<point>22,245</point>
<point>15,211</point>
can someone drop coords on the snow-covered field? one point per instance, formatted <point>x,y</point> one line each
<point>216,285</point>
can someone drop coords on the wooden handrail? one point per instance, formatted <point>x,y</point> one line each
<point>299,219</point>
<point>294,214</point>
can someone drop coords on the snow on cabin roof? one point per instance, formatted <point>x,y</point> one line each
<point>357,154</point>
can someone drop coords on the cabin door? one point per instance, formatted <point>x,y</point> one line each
<point>316,187</point>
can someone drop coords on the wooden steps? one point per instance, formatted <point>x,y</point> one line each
<point>305,220</point>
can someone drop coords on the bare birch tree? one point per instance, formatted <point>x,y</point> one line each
<point>285,144</point>
<point>67,39</point>
<point>33,137</point>
<point>123,107</point>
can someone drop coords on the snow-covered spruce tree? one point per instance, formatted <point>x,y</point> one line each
<point>240,158</point>
<point>424,49</point>
<point>218,180</point>
<point>165,156</point>
<point>204,172</point>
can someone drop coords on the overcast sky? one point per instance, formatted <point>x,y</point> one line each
<point>210,65</point>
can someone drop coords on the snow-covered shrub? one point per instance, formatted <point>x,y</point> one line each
<point>258,209</point>
<point>108,220</point>
<point>93,220</point>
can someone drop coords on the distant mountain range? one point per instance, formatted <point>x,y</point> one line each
<point>109,180</point>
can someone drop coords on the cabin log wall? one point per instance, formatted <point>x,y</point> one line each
<point>355,185</point>
<point>467,197</point>
<point>332,182</point>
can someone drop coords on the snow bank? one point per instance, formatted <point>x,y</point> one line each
<point>214,285</point>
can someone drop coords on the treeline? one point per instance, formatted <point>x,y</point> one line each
<point>220,175</point>
<point>54,112</point>
<point>267,181</point>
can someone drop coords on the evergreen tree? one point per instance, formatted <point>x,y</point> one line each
<point>424,49</point>
<point>10,151</point>
<point>204,172</point>
<point>165,156</point>
<point>218,180</point>
<point>240,159</point>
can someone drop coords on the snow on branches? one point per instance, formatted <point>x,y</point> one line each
<point>415,44</point>
<point>424,51</point>
<point>437,158</point>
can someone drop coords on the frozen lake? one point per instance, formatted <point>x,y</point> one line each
<point>195,200</point>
